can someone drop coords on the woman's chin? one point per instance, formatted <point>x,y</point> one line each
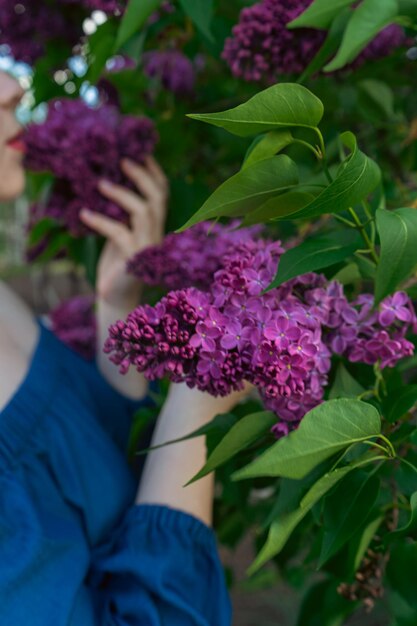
<point>12,186</point>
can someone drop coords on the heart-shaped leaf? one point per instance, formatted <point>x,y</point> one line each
<point>290,202</point>
<point>398,236</point>
<point>357,177</point>
<point>284,525</point>
<point>270,144</point>
<point>247,189</point>
<point>319,14</point>
<point>367,20</point>
<point>315,254</point>
<point>325,430</point>
<point>281,106</point>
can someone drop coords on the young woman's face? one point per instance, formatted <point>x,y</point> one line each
<point>12,175</point>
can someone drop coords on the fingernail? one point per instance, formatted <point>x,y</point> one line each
<point>105,184</point>
<point>86,212</point>
<point>127,162</point>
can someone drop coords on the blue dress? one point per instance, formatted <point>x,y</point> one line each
<point>74,550</point>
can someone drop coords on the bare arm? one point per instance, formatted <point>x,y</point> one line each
<point>117,292</point>
<point>17,320</point>
<point>168,469</point>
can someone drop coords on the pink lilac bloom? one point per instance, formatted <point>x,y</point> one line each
<point>79,146</point>
<point>281,340</point>
<point>172,69</point>
<point>74,323</point>
<point>191,258</point>
<point>262,48</point>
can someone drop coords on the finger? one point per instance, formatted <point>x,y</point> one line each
<point>125,198</point>
<point>157,171</point>
<point>105,226</point>
<point>144,180</point>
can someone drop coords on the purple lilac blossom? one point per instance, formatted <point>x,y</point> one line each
<point>26,26</point>
<point>191,258</point>
<point>281,341</point>
<point>74,323</point>
<point>80,146</point>
<point>173,70</point>
<point>262,48</point>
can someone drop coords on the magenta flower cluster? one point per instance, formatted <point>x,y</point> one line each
<point>81,145</point>
<point>262,48</point>
<point>281,341</point>
<point>190,258</point>
<point>74,323</point>
<point>26,26</point>
<point>171,69</point>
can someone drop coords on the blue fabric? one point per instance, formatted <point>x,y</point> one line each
<point>74,550</point>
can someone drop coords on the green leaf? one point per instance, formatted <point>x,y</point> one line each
<point>399,403</point>
<point>290,201</point>
<point>377,98</point>
<point>356,178</point>
<point>345,386</point>
<point>315,254</point>
<point>407,7</point>
<point>346,510</point>
<point>366,537</point>
<point>201,13</point>
<point>410,526</point>
<point>325,430</point>
<point>367,20</point>
<point>41,229</point>
<point>281,106</point>
<point>328,49</point>
<point>216,428</point>
<point>401,571</point>
<point>245,432</point>
<point>135,16</point>
<point>398,236</point>
<point>324,606</point>
<point>247,189</point>
<point>100,48</point>
<point>270,144</point>
<point>319,14</point>
<point>284,525</point>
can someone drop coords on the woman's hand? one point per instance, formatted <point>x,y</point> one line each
<point>117,292</point>
<point>147,213</point>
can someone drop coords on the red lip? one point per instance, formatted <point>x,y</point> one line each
<point>17,143</point>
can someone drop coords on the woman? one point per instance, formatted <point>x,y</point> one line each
<point>80,545</point>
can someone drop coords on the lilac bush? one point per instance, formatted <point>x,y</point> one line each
<point>263,48</point>
<point>80,146</point>
<point>74,323</point>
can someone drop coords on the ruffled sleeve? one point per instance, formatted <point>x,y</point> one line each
<point>162,569</point>
<point>158,568</point>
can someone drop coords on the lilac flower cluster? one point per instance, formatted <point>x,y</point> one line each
<point>81,145</point>
<point>360,333</point>
<point>281,341</point>
<point>172,69</point>
<point>191,258</point>
<point>74,323</point>
<point>26,27</point>
<point>263,48</point>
